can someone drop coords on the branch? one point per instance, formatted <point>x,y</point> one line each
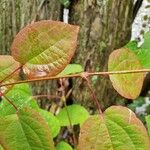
<point>9,101</point>
<point>79,75</point>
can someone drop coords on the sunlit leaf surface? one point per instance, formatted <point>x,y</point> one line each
<point>45,47</point>
<point>127,85</point>
<point>25,130</point>
<point>118,129</point>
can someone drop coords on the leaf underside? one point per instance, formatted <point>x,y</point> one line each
<point>25,131</point>
<point>127,85</point>
<point>45,47</point>
<point>119,129</point>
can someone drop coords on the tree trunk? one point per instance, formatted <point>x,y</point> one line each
<point>15,14</point>
<point>105,25</point>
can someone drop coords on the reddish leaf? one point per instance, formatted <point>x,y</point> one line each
<point>45,47</point>
<point>118,129</point>
<point>127,85</point>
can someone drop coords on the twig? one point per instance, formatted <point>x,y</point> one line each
<point>10,74</point>
<point>9,101</point>
<point>79,75</point>
<point>94,98</point>
<point>48,96</point>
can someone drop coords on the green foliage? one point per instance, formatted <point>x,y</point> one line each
<point>63,146</point>
<point>77,115</point>
<point>52,121</point>
<point>25,130</point>
<point>21,96</point>
<point>46,47</point>
<point>147,118</point>
<point>71,69</point>
<point>146,44</point>
<point>124,59</point>
<point>66,3</point>
<point>117,129</point>
<point>142,52</point>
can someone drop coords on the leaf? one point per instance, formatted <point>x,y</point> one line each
<point>127,85</point>
<point>63,146</point>
<point>45,47</point>
<point>147,118</point>
<point>146,44</point>
<point>25,130</point>
<point>7,66</point>
<point>66,3</point>
<point>71,69</point>
<point>132,45</point>
<point>52,122</point>
<point>77,115</point>
<point>20,95</point>
<point>143,54</point>
<point>117,129</point>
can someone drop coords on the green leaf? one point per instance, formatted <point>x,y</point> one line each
<point>71,69</point>
<point>146,44</point>
<point>143,54</point>
<point>63,146</point>
<point>45,47</point>
<point>25,130</point>
<point>77,115</point>
<point>117,129</point>
<point>66,3</point>
<point>52,122</point>
<point>7,66</point>
<point>127,85</point>
<point>132,45</point>
<point>1,148</point>
<point>21,96</point>
<point>147,118</point>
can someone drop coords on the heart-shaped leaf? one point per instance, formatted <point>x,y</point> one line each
<point>25,130</point>
<point>7,66</point>
<point>77,115</point>
<point>128,85</point>
<point>117,129</point>
<point>45,47</point>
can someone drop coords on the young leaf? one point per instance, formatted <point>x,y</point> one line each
<point>71,69</point>
<point>45,47</point>
<point>25,130</point>
<point>52,122</point>
<point>127,85</point>
<point>63,146</point>
<point>20,95</point>
<point>77,115</point>
<point>7,66</point>
<point>118,129</point>
<point>147,118</point>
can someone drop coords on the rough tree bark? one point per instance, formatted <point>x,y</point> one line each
<point>105,25</point>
